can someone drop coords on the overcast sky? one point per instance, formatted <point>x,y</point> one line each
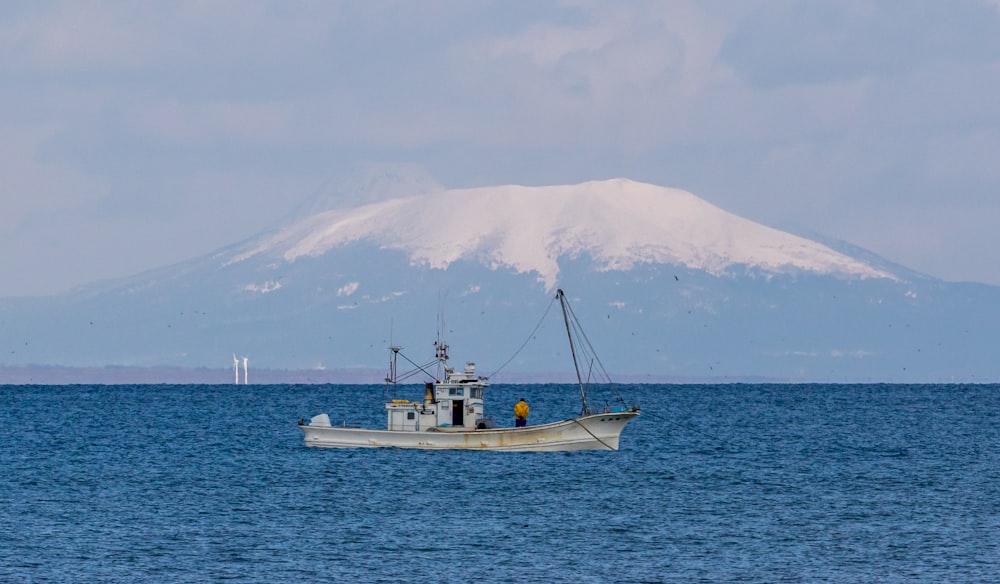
<point>137,134</point>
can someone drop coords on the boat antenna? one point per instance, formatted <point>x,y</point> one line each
<point>391,378</point>
<point>572,350</point>
<point>440,347</point>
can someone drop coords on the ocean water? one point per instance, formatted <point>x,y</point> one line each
<point>713,483</point>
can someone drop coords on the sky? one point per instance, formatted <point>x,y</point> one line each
<point>138,134</point>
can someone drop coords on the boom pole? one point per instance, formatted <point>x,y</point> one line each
<point>572,350</point>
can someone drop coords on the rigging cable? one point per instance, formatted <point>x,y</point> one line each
<point>418,368</point>
<point>527,340</point>
<point>589,348</point>
<point>587,430</point>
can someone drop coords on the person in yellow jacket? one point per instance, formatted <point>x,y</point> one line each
<point>521,410</point>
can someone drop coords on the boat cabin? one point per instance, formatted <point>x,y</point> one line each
<point>456,402</point>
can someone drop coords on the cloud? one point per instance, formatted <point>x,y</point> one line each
<point>348,289</point>
<point>214,122</point>
<point>127,36</point>
<point>186,116</point>
<point>788,43</point>
<point>265,288</point>
<point>33,185</point>
<point>583,78</point>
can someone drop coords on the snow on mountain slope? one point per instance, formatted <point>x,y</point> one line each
<point>618,222</point>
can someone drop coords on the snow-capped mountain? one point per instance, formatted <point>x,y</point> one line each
<point>667,285</point>
<point>619,223</point>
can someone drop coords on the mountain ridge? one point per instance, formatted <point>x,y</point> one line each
<point>333,291</point>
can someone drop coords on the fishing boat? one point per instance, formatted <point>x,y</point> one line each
<point>450,415</point>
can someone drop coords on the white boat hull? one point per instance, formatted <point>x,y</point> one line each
<point>593,432</point>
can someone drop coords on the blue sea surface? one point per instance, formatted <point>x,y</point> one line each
<point>713,483</point>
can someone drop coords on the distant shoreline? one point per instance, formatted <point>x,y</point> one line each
<point>122,375</point>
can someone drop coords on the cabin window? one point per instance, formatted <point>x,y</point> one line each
<point>456,391</point>
<point>477,393</point>
<point>410,415</point>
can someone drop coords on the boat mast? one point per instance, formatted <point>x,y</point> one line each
<point>572,350</point>
<point>391,378</point>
